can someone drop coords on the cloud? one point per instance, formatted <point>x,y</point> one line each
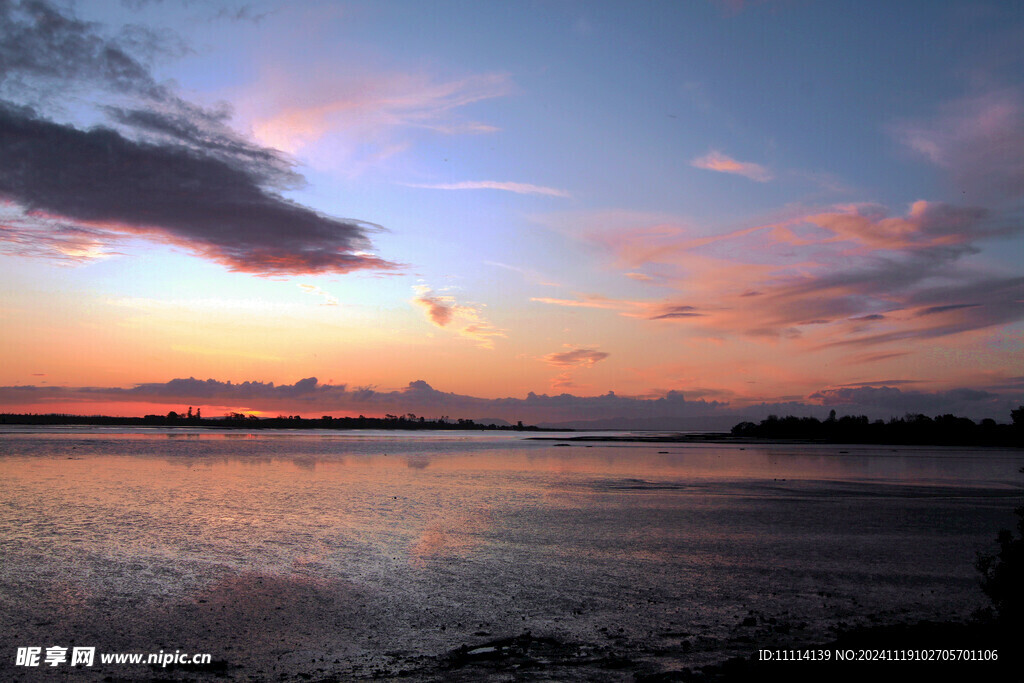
<point>467,320</point>
<point>575,356</point>
<point>519,188</point>
<point>173,172</point>
<point>52,237</point>
<point>874,357</point>
<point>852,275</point>
<point>358,115</point>
<point>39,41</point>
<point>101,181</point>
<point>926,224</point>
<point>678,311</point>
<point>563,380</point>
<point>309,396</point>
<point>438,308</point>
<point>979,140</point>
<point>588,301</point>
<point>716,161</point>
<point>207,133</point>
<point>329,299</point>
<point>974,304</point>
<point>242,13</point>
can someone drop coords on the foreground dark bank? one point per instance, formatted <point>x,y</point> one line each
<point>985,649</point>
<point>982,649</point>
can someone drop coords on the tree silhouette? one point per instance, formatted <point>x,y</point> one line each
<point>1002,573</point>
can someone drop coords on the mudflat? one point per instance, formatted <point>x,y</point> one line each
<point>321,557</point>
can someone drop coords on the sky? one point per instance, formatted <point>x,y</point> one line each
<point>548,210</point>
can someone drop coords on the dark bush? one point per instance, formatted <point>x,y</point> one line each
<point>1002,573</point>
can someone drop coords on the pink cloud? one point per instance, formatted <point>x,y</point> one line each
<point>467,320</point>
<point>716,161</point>
<point>349,120</point>
<point>438,308</point>
<point>850,275</point>
<point>926,224</point>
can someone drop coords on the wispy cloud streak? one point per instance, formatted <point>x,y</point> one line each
<point>518,188</point>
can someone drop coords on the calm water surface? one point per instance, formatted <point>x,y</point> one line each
<point>346,553</point>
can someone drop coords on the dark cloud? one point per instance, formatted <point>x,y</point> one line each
<point>46,54</point>
<point>218,210</point>
<point>986,302</point>
<point>206,132</point>
<point>932,310</point>
<point>172,171</point>
<point>900,282</point>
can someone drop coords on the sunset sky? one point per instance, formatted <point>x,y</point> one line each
<point>540,210</point>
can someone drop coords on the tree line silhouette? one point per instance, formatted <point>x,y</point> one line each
<point>911,429</point>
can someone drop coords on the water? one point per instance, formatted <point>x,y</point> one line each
<point>346,553</point>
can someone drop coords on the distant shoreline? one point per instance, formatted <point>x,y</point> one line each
<point>239,421</point>
<point>910,430</point>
